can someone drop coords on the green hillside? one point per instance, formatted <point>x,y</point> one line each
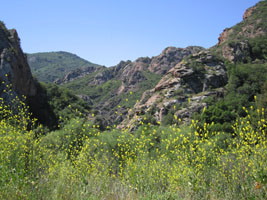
<point>48,67</point>
<point>245,44</point>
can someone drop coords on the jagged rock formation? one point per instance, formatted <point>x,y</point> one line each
<point>15,72</point>
<point>170,57</point>
<point>132,73</point>
<point>77,73</point>
<point>248,12</point>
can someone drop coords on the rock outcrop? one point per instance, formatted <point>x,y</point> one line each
<point>236,51</point>
<point>14,68</point>
<point>233,43</point>
<point>131,72</point>
<point>170,57</point>
<point>248,12</point>
<point>224,35</point>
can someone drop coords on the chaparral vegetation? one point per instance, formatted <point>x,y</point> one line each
<point>155,162</point>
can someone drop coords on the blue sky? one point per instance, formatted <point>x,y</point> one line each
<point>108,31</point>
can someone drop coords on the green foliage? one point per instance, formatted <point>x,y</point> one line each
<point>169,118</point>
<point>54,106</point>
<point>48,67</point>
<point>245,82</point>
<point>65,104</point>
<point>149,116</point>
<point>258,48</point>
<point>197,67</point>
<point>97,93</point>
<point>151,80</point>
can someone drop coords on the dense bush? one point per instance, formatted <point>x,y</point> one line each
<point>258,48</point>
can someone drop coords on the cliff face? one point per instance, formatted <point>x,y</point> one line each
<point>14,68</point>
<point>248,12</point>
<point>16,77</point>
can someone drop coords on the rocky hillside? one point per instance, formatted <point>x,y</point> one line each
<point>181,90</point>
<point>53,66</point>
<point>184,90</point>
<point>125,83</point>
<point>176,83</point>
<point>245,41</point>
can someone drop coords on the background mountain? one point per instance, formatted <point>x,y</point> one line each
<point>50,66</point>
